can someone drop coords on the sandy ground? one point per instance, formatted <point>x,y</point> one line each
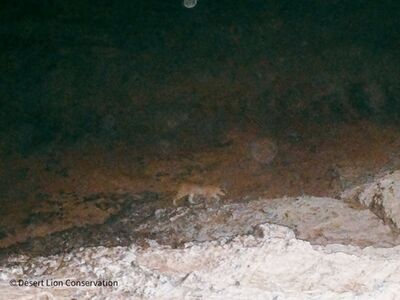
<point>49,191</point>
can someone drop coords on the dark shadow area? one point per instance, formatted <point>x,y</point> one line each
<point>139,96</point>
<point>143,71</point>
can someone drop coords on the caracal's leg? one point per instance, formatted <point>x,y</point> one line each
<point>191,196</point>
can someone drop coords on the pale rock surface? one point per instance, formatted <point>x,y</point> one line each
<point>319,220</point>
<point>288,248</point>
<point>382,196</point>
<point>274,265</point>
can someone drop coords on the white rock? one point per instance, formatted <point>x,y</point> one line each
<point>382,196</point>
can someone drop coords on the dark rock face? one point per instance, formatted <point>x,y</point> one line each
<point>145,71</point>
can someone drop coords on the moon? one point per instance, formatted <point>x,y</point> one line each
<point>189,3</point>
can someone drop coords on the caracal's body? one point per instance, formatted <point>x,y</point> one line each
<point>192,190</point>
